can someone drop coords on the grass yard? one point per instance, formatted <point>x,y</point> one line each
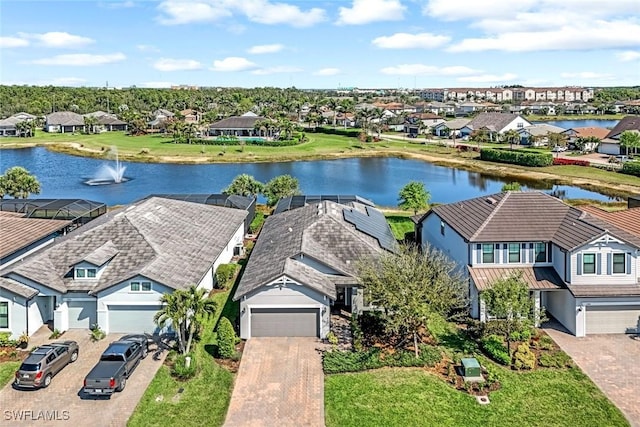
<point>400,224</point>
<point>414,397</point>
<point>205,398</point>
<point>7,372</point>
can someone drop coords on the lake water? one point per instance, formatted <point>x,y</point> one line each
<point>568,124</point>
<point>378,179</point>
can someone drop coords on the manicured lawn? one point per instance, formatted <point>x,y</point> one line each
<point>400,224</point>
<point>205,397</point>
<point>414,397</point>
<point>7,372</point>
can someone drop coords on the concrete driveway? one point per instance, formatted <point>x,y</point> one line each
<point>613,364</point>
<point>280,383</point>
<point>62,403</point>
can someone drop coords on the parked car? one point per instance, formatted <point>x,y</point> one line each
<point>116,364</point>
<point>44,362</point>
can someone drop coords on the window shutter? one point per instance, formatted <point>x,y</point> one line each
<point>505,253</point>
<point>598,263</point>
<point>628,263</point>
<point>579,257</point>
<point>609,263</point>
<point>550,252</point>
<point>531,254</point>
<point>478,254</point>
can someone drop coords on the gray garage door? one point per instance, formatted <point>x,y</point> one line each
<point>284,322</point>
<point>612,319</point>
<point>132,318</point>
<point>82,314</point>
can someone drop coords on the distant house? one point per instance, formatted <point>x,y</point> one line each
<point>8,126</point>
<point>23,116</point>
<point>574,134</point>
<point>495,124</point>
<point>435,107</point>
<point>190,115</point>
<point>537,134</point>
<point>244,125</point>
<point>450,128</point>
<point>160,117</point>
<point>426,121</point>
<point>611,142</point>
<point>108,122</point>
<point>64,122</point>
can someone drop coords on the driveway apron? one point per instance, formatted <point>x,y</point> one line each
<point>280,383</point>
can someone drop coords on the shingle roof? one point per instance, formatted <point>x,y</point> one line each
<point>626,123</point>
<point>526,216</point>
<point>542,129</point>
<point>169,241</point>
<point>493,121</point>
<point>17,232</point>
<point>65,118</point>
<point>454,124</point>
<point>237,122</point>
<point>17,288</point>
<point>317,231</point>
<point>536,278</point>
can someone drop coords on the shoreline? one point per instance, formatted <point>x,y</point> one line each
<point>499,170</point>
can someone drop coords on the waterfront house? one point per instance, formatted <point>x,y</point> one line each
<point>107,122</point>
<point>450,128</point>
<point>244,125</point>
<point>64,122</point>
<point>495,124</point>
<point>611,142</point>
<point>573,134</point>
<point>538,134</point>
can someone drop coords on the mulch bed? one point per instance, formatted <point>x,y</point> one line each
<point>12,354</point>
<point>229,364</point>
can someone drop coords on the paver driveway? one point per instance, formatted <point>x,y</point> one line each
<point>62,399</point>
<point>613,364</point>
<point>280,383</point>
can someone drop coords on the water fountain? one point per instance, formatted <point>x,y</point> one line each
<point>108,174</point>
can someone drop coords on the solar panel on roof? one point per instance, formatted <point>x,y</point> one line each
<point>374,224</point>
<point>294,202</point>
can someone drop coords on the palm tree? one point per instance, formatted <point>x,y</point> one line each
<point>511,136</point>
<point>18,183</point>
<point>90,123</point>
<point>173,310</point>
<point>199,309</point>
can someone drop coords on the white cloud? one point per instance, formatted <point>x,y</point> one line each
<point>276,70</point>
<point>448,10</point>
<point>410,41</point>
<point>233,63</point>
<point>367,11</point>
<point>432,70</point>
<point>488,78</point>
<point>327,72</point>
<point>586,75</point>
<point>261,11</point>
<point>168,64</point>
<point>147,48</point>
<point>628,55</point>
<point>117,4</point>
<point>81,59</point>
<point>265,48</point>
<point>59,39</point>
<point>8,42</point>
<point>159,85</point>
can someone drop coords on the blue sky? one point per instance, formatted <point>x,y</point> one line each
<point>321,44</point>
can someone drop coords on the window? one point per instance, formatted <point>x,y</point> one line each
<point>135,286</point>
<point>4,314</point>
<point>140,286</point>
<point>488,254</point>
<point>540,252</point>
<point>514,252</point>
<point>80,273</point>
<point>442,227</point>
<point>146,286</point>
<point>619,263</point>
<point>91,272</point>
<point>520,125</point>
<point>589,263</point>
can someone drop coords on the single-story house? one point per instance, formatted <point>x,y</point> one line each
<point>113,271</point>
<point>537,134</point>
<point>8,126</point>
<point>495,124</point>
<point>611,142</point>
<point>64,122</point>
<point>583,269</point>
<point>573,134</point>
<point>107,122</point>
<point>244,125</point>
<point>304,263</point>
<point>450,128</point>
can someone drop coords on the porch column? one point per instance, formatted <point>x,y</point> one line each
<point>61,317</point>
<point>483,310</point>
<point>536,306</point>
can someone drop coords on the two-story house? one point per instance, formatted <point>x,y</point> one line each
<point>581,268</point>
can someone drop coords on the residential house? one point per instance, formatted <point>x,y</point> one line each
<point>346,120</point>
<point>160,117</point>
<point>422,123</point>
<point>495,124</point>
<point>581,268</point>
<point>64,122</point>
<point>8,126</point>
<point>466,108</point>
<point>244,125</point>
<point>537,134</point>
<point>304,263</point>
<point>573,134</point>
<point>24,116</point>
<point>435,107</point>
<point>450,128</point>
<point>190,115</point>
<point>611,142</point>
<point>113,271</point>
<point>107,122</point>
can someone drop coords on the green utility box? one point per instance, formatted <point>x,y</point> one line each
<point>471,368</point>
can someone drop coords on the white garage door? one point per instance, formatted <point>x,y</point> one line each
<point>284,322</point>
<point>612,319</point>
<point>133,318</point>
<point>82,314</point>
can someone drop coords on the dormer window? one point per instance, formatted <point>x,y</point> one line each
<point>86,273</point>
<point>140,286</point>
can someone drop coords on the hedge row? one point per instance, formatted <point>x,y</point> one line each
<point>236,141</point>
<point>516,157</point>
<point>353,133</point>
<point>335,362</point>
<point>564,161</point>
<point>631,168</point>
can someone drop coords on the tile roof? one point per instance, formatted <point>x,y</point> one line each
<point>65,118</point>
<point>17,288</point>
<point>628,219</point>
<point>586,132</point>
<point>17,232</point>
<point>537,278</point>
<point>169,241</point>
<point>542,129</point>
<point>493,121</point>
<point>317,231</point>
<point>526,216</point>
<point>626,123</point>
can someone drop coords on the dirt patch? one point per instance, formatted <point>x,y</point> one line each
<point>232,365</point>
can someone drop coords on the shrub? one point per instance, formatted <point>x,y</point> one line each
<point>516,157</point>
<point>524,358</point>
<point>5,341</point>
<point>335,362</point>
<point>631,168</point>
<point>226,339</point>
<point>55,334</point>
<point>564,161</point>
<point>224,274</point>
<point>97,333</point>
<point>180,369</point>
<point>332,338</point>
<point>556,359</point>
<point>352,133</point>
<point>546,343</point>
<point>494,346</point>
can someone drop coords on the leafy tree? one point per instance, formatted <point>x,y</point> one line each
<point>411,286</point>
<point>481,136</point>
<point>508,299</point>
<point>18,183</point>
<point>511,136</point>
<point>588,141</point>
<point>512,186</point>
<point>90,123</point>
<point>186,309</point>
<point>244,185</point>
<point>630,139</point>
<point>414,196</point>
<point>279,187</point>
<point>556,140</point>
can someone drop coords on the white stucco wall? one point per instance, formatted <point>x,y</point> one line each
<point>558,258</point>
<point>289,295</point>
<point>17,313</point>
<point>602,249</point>
<point>562,305</point>
<point>452,244</point>
<point>225,257</point>
<point>517,123</point>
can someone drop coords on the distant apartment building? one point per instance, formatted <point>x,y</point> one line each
<point>504,94</point>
